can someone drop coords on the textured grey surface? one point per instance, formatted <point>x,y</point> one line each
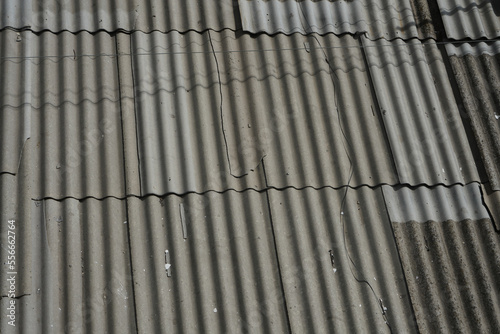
<point>470,19</point>
<point>80,270</point>
<point>77,132</point>
<point>15,14</point>
<point>491,199</point>
<point>420,114</point>
<point>198,106</point>
<point>324,296</point>
<point>282,99</point>
<point>224,276</point>
<point>118,15</point>
<point>452,271</point>
<point>388,18</point>
<point>15,204</point>
<point>477,74</point>
<point>475,49</point>
<point>438,203</point>
<point>15,97</point>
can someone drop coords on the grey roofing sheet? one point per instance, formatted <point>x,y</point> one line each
<point>420,114</point>
<point>223,275</point>
<point>452,271</point>
<point>491,199</point>
<point>470,19</point>
<point>438,203</point>
<point>81,278</point>
<point>461,49</point>
<point>280,97</point>
<point>387,18</point>
<point>15,205</point>
<point>76,126</point>
<point>15,98</point>
<point>121,15</point>
<point>332,252</point>
<point>15,14</point>
<point>477,72</point>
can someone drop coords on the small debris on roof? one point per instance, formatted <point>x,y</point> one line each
<point>168,265</point>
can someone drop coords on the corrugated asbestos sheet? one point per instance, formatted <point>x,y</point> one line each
<point>81,276</point>
<point>167,171</point>
<point>420,114</point>
<point>274,91</point>
<point>491,199</point>
<point>470,19</point>
<point>451,265</point>
<point>388,18</point>
<point>339,262</point>
<point>437,204</point>
<point>76,118</point>
<point>15,109</point>
<point>15,206</point>
<point>15,14</point>
<point>118,15</point>
<point>477,72</point>
<point>452,271</point>
<point>205,263</point>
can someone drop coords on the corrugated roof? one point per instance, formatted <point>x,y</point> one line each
<point>77,128</point>
<point>477,72</point>
<point>339,262</point>
<point>119,15</point>
<point>420,114</point>
<point>452,271</point>
<point>475,48</point>
<point>15,14</point>
<point>15,98</point>
<point>437,204</point>
<point>470,19</point>
<point>491,200</point>
<point>289,242</point>
<point>263,117</point>
<point>15,231</point>
<point>450,254</point>
<point>81,279</point>
<point>388,18</point>
<point>222,274</point>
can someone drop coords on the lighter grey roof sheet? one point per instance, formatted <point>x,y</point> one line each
<point>15,14</point>
<point>452,273</point>
<point>478,79</point>
<point>475,49</point>
<point>470,19</point>
<point>121,15</point>
<point>15,98</point>
<point>420,114</point>
<point>333,248</point>
<point>388,18</point>
<point>437,204</point>
<point>268,112</point>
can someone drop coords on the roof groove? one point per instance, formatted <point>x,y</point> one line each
<point>276,249</point>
